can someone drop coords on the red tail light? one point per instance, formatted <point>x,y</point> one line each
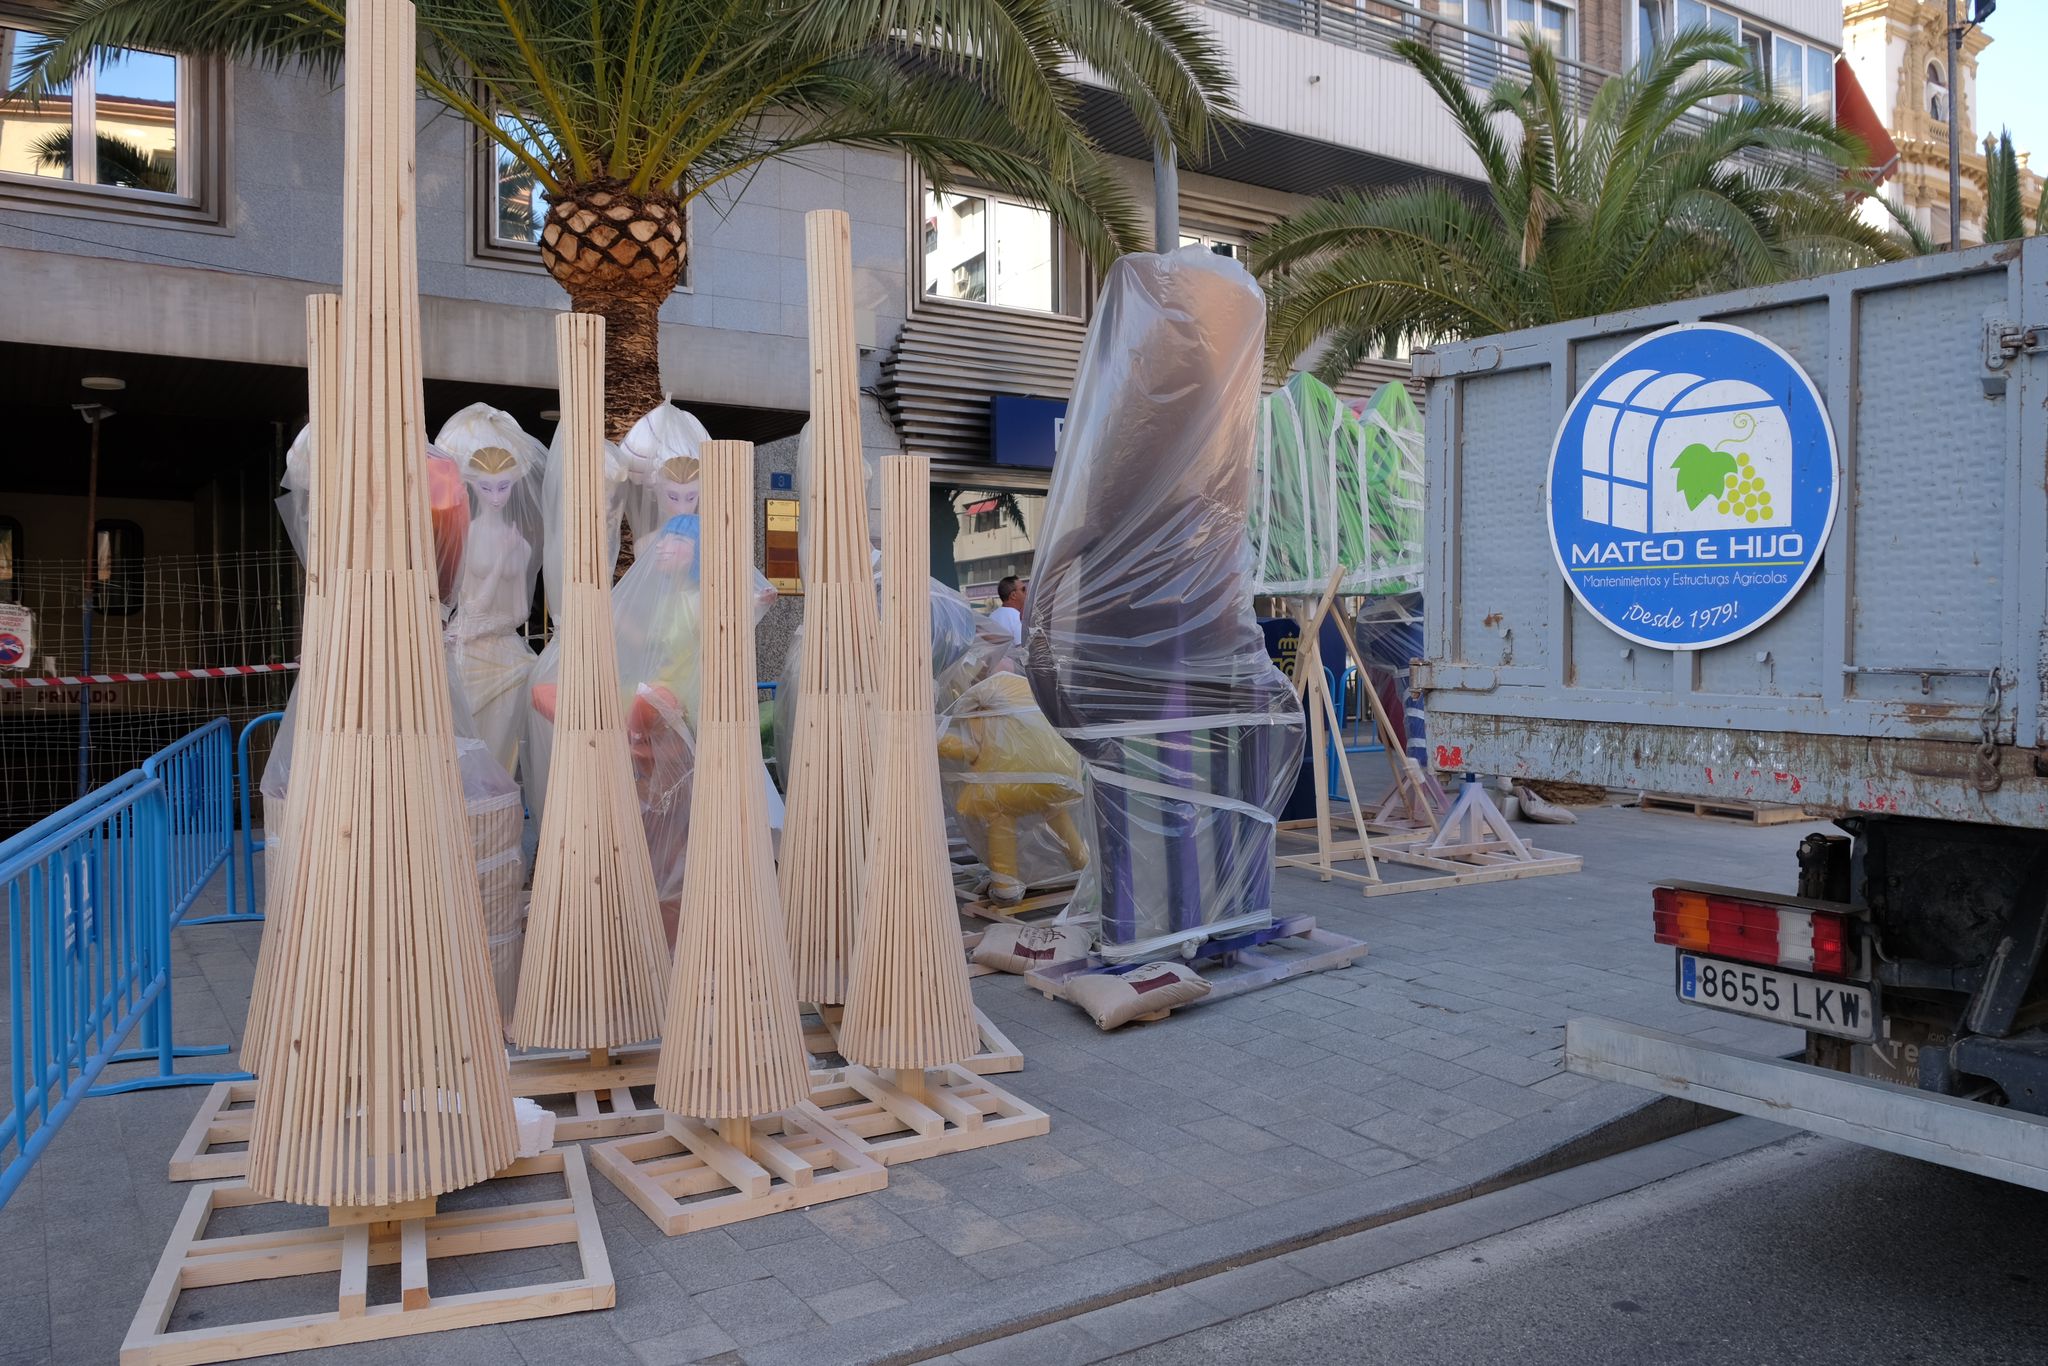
<point>1752,931</point>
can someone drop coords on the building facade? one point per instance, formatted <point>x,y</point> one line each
<point>176,259</point>
<point>1899,52</point>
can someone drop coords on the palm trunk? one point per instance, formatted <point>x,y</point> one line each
<point>632,352</point>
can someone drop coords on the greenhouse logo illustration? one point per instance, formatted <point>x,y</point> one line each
<point>1680,452</point>
<point>1692,486</point>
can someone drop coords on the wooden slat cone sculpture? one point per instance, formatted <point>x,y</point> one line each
<point>824,835</point>
<point>323,422</point>
<point>732,1047</point>
<point>908,1006</point>
<point>592,974</point>
<point>383,1078</point>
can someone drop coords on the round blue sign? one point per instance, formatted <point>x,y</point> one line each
<point>1692,486</point>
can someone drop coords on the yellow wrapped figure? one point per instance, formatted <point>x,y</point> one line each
<point>1014,784</point>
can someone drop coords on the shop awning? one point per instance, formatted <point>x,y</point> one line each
<point>1854,112</point>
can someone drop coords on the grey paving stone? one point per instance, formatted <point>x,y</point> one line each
<point>757,1311</point>
<point>1011,1259</point>
<point>652,1306</point>
<point>1245,1289</point>
<point>1405,1133</point>
<point>962,1231</point>
<point>859,1223</point>
<point>1148,1319</point>
<point>854,1301</point>
<point>814,1265</point>
<point>1055,1344</point>
<point>920,1267</point>
<point>698,1343</point>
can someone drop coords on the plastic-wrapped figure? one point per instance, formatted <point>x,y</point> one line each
<point>1140,641</point>
<point>500,558</point>
<point>657,627</point>
<point>647,456</point>
<point>446,500</point>
<point>954,627</point>
<point>1015,786</point>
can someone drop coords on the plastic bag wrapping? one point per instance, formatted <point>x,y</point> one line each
<point>955,630</point>
<point>447,501</point>
<point>552,541</point>
<point>802,483</point>
<point>1141,646</point>
<point>1389,630</point>
<point>657,630</point>
<point>1309,492</point>
<point>659,461</point>
<point>496,826</point>
<point>991,652</point>
<point>1014,786</point>
<point>1391,429</point>
<point>503,470</point>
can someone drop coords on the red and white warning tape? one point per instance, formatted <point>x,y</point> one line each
<point>226,671</point>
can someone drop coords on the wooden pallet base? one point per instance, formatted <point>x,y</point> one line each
<point>900,1117</point>
<point>1040,908</point>
<point>215,1145</point>
<point>692,1176</point>
<point>1296,948</point>
<point>1739,812</point>
<point>348,1250</point>
<point>821,1037</point>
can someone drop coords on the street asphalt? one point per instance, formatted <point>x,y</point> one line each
<point>1808,1251</point>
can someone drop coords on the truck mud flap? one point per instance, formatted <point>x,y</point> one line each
<point>1987,1139</point>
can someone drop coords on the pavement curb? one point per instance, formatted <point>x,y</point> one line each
<point>1597,1124</point>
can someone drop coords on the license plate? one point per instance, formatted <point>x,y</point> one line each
<point>1833,1008</point>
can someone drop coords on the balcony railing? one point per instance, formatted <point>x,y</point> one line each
<point>1376,25</point>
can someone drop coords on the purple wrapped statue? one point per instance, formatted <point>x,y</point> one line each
<point>1141,645</point>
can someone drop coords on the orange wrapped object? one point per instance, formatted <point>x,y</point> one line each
<point>449,501</point>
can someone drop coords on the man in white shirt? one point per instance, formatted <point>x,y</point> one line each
<point>1009,611</point>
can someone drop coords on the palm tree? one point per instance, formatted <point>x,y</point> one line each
<point>120,162</point>
<point>1651,197</point>
<point>2004,218</point>
<point>623,111</point>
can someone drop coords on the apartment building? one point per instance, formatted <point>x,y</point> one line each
<point>175,261</point>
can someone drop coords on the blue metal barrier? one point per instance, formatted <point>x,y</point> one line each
<point>88,954</point>
<point>250,845</point>
<point>199,792</point>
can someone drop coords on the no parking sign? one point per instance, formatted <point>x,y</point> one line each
<point>17,635</point>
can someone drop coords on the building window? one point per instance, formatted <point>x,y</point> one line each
<point>1799,72</point>
<point>1218,243</point>
<point>980,247</point>
<point>117,547</point>
<point>518,202</point>
<point>1937,93</point>
<point>1820,82</point>
<point>127,130</point>
<point>1543,20</point>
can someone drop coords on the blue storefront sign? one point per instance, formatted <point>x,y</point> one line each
<point>1024,432</point>
<point>1692,487</point>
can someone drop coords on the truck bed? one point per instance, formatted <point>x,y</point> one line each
<point>1904,678</point>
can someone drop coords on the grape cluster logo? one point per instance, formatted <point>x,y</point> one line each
<point>1692,486</point>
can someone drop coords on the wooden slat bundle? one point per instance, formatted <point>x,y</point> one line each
<point>323,420</point>
<point>595,951</point>
<point>908,1004</point>
<point>384,1078</point>
<point>824,837</point>
<point>733,1046</point>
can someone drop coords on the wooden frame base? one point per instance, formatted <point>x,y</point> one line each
<point>687,1177</point>
<point>1040,908</point>
<point>215,1144</point>
<point>192,1260</point>
<point>957,1111</point>
<point>1736,811</point>
<point>1297,950</point>
<point>997,1054</point>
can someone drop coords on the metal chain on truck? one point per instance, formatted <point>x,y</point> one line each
<point>1988,778</point>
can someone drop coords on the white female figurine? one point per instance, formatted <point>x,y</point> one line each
<point>501,466</point>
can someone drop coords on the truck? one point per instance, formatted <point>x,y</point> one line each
<point>1784,545</point>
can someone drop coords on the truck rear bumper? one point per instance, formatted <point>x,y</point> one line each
<point>1987,1139</point>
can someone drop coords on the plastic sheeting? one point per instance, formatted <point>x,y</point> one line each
<point>1141,646</point>
<point>659,461</point>
<point>447,502</point>
<point>1333,487</point>
<point>657,628</point>
<point>503,469</point>
<point>1013,785</point>
<point>552,540</point>
<point>1389,631</point>
<point>954,627</point>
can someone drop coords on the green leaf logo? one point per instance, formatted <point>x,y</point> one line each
<point>1702,471</point>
